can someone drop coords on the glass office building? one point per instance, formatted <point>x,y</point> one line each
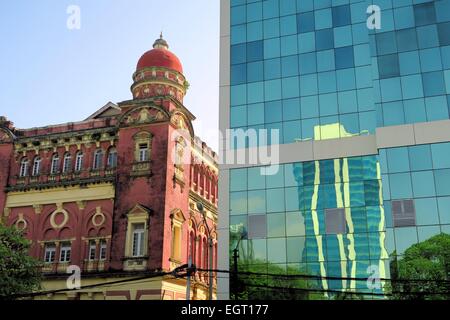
<point>364,130</point>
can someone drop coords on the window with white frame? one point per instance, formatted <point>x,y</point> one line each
<point>65,252</point>
<point>103,246</point>
<point>50,253</point>
<point>112,158</point>
<point>36,166</point>
<point>92,250</point>
<point>24,167</point>
<point>138,240</point>
<point>98,159</point>
<point>143,152</point>
<point>55,164</point>
<point>79,161</point>
<point>67,163</point>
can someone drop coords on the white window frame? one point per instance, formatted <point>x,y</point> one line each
<point>98,159</point>
<point>50,253</point>
<point>103,247</point>
<point>65,253</point>
<point>67,163</point>
<point>55,164</point>
<point>112,158</point>
<point>79,161</point>
<point>138,238</point>
<point>36,166</point>
<point>143,152</point>
<point>92,250</point>
<point>23,167</point>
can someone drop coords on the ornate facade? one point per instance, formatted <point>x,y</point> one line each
<point>116,194</point>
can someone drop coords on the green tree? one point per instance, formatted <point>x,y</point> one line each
<point>427,260</point>
<point>19,272</point>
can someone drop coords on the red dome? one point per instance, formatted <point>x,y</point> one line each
<point>160,57</point>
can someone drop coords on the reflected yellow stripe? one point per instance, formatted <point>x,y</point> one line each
<point>348,218</point>
<point>340,204</point>
<point>381,228</point>
<point>315,221</point>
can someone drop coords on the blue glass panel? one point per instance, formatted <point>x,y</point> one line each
<point>255,71</point>
<point>238,179</point>
<point>344,57</point>
<point>324,39</point>
<point>441,155</point>
<point>420,157</point>
<point>305,22</point>
<point>388,66</point>
<point>255,179</point>
<point>442,179</point>
<point>406,40</point>
<point>238,54</point>
<point>400,185</point>
<point>423,183</point>
<point>291,109</point>
<point>273,111</point>
<point>255,113</point>
<point>255,51</point>
<point>341,15</point>
<point>386,43</point>
<point>426,211</point>
<point>238,74</point>
<point>291,131</point>
<point>424,13</point>
<point>444,35</point>
<point>444,209</point>
<point>398,159</point>
<point>325,60</point>
<point>307,63</point>
<point>272,69</point>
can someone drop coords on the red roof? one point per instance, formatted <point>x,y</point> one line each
<point>159,57</point>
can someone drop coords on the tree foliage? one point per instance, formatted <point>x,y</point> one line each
<point>427,260</point>
<point>19,272</point>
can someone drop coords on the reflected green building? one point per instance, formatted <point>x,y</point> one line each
<point>364,141</point>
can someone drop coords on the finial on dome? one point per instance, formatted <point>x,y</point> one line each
<point>161,43</point>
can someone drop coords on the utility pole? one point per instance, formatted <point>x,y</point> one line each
<point>188,286</point>
<point>211,249</point>
<point>235,271</point>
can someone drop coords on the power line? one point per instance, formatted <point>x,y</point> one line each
<point>318,290</point>
<point>317,277</point>
<point>173,273</point>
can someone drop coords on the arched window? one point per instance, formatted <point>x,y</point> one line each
<point>55,164</point>
<point>112,158</point>
<point>98,159</point>
<point>36,166</point>
<point>24,167</point>
<point>67,163</point>
<point>79,161</point>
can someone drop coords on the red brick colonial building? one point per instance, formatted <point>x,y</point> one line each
<point>116,194</point>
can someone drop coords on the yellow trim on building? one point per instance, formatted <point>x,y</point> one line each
<point>61,194</point>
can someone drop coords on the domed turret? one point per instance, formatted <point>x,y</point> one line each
<point>159,73</point>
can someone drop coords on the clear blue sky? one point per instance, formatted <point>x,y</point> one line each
<point>50,74</point>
